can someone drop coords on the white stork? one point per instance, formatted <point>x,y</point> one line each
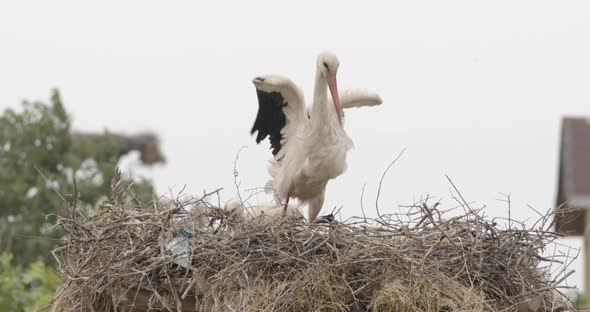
<point>309,148</point>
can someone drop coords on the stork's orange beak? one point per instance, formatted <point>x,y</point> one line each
<point>333,85</point>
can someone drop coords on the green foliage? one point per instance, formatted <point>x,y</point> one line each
<point>42,167</point>
<point>578,299</point>
<point>25,290</point>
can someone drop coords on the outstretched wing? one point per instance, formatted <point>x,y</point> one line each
<point>281,112</point>
<point>358,98</point>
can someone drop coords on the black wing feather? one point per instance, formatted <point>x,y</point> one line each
<point>270,118</point>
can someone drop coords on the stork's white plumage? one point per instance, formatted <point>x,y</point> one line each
<point>261,211</point>
<point>350,98</point>
<point>309,148</point>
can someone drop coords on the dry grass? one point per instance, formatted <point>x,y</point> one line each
<point>119,260</point>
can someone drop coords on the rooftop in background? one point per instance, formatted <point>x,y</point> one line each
<point>573,197</point>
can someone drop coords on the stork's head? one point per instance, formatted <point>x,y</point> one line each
<point>327,64</point>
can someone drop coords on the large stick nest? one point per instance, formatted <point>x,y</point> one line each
<point>194,257</point>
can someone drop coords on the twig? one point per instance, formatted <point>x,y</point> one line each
<point>235,172</point>
<point>362,206</point>
<point>381,183</point>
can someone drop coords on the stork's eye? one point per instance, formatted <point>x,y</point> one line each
<point>326,66</point>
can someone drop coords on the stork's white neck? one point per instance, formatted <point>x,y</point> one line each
<point>321,111</point>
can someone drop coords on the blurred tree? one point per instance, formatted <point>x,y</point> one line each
<point>578,300</point>
<point>25,290</point>
<point>42,165</point>
<point>147,144</point>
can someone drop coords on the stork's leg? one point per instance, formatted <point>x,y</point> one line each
<point>286,204</point>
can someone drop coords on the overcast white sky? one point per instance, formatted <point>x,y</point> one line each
<point>473,89</point>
